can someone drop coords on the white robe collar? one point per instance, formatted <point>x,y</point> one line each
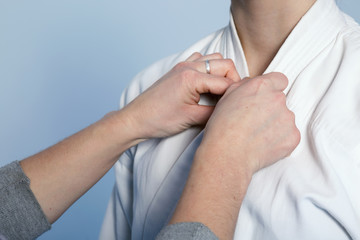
<point>316,30</point>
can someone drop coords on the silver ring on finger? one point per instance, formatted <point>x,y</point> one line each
<point>207,66</point>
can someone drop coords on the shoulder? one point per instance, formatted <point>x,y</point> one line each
<point>338,111</point>
<point>350,35</point>
<point>151,74</point>
<point>337,114</point>
<point>348,45</point>
<point>346,54</point>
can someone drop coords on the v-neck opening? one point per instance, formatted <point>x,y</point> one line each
<point>303,43</point>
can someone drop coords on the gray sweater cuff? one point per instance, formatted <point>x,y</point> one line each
<point>186,231</point>
<point>21,216</point>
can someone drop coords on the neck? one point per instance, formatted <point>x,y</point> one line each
<point>264,25</point>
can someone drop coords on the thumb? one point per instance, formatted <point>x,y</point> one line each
<point>201,114</point>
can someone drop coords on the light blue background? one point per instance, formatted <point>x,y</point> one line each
<point>64,64</point>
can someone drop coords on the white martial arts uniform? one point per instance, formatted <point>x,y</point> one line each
<point>314,193</point>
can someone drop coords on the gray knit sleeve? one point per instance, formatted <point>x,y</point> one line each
<point>21,216</point>
<point>186,231</point>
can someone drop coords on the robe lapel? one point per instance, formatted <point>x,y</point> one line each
<point>314,32</point>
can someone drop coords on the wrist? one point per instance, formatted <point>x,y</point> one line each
<point>121,130</point>
<point>235,167</point>
<point>213,193</point>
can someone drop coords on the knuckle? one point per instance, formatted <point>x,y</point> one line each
<point>187,74</point>
<point>197,54</point>
<point>229,62</point>
<point>281,77</point>
<point>297,136</point>
<point>295,139</point>
<point>292,116</point>
<point>280,98</point>
<point>217,55</point>
<point>259,83</point>
<point>181,65</point>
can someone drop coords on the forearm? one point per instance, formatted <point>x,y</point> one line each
<point>213,194</point>
<point>64,172</point>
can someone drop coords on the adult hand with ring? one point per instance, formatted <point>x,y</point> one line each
<point>171,104</point>
<point>166,108</point>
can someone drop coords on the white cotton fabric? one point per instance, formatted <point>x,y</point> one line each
<point>314,193</point>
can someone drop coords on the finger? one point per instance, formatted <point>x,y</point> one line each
<point>207,83</point>
<point>194,57</point>
<point>225,68</point>
<point>210,57</point>
<point>278,80</point>
<point>242,81</point>
<point>220,67</point>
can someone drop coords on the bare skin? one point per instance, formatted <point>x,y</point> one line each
<point>64,172</point>
<point>264,25</point>
<point>251,128</point>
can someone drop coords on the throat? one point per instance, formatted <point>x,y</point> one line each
<point>263,26</point>
<point>258,60</point>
